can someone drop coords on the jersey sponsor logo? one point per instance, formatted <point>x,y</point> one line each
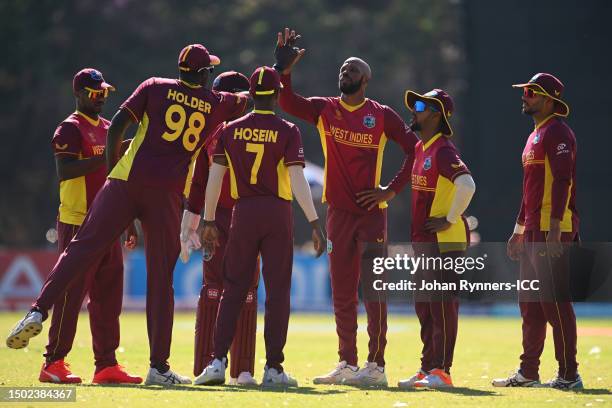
<point>536,139</point>
<point>369,121</point>
<point>561,146</point>
<point>427,163</point>
<point>349,137</point>
<point>330,246</point>
<point>562,149</point>
<point>92,137</point>
<point>530,155</point>
<point>61,147</point>
<point>338,114</point>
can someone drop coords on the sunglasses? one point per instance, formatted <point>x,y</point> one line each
<point>420,106</point>
<point>96,93</point>
<point>530,93</point>
<point>209,69</point>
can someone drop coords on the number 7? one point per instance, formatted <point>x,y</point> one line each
<point>258,149</point>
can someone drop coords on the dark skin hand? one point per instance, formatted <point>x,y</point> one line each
<point>120,123</point>
<point>371,198</point>
<point>436,224</point>
<point>318,238</point>
<point>515,247</point>
<point>286,53</point>
<point>70,167</point>
<point>553,239</point>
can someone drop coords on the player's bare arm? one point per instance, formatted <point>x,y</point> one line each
<point>286,53</point>
<point>371,198</point>
<point>70,167</point>
<point>553,238</point>
<point>120,123</point>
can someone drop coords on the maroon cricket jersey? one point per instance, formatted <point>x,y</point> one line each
<point>81,137</point>
<point>175,118</point>
<point>353,140</point>
<point>549,177</point>
<point>259,147</point>
<point>436,166</point>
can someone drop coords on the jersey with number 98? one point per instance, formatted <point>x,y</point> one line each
<point>175,118</point>
<point>259,148</point>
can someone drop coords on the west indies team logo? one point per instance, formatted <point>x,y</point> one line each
<point>369,121</point>
<point>95,75</point>
<point>427,163</point>
<point>536,139</point>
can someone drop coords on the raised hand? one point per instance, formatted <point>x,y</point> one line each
<point>286,52</point>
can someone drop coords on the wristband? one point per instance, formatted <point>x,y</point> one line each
<point>519,229</point>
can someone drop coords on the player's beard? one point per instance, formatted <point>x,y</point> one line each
<point>415,126</point>
<point>351,88</point>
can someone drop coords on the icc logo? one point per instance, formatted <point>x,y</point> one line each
<point>427,163</point>
<point>369,121</point>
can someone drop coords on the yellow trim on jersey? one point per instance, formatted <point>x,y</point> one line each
<point>122,169</point>
<point>284,181</point>
<point>431,141</point>
<point>352,108</point>
<point>321,130</point>
<point>379,163</point>
<point>539,125</point>
<point>93,122</point>
<point>454,238</point>
<point>261,73</point>
<point>264,112</point>
<point>191,169</point>
<point>233,184</point>
<point>190,85</point>
<point>421,188</point>
<point>73,200</point>
<point>530,162</point>
<point>546,208</point>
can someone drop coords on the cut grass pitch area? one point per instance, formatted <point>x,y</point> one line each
<point>486,348</point>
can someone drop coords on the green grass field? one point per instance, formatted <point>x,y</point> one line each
<point>486,348</point>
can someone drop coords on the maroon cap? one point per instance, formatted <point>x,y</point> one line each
<point>230,81</point>
<point>552,87</point>
<point>264,81</point>
<point>90,78</point>
<point>195,57</point>
<point>437,97</point>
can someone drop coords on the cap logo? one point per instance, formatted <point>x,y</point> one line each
<point>557,93</point>
<point>95,75</point>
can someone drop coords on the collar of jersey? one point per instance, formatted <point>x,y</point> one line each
<point>264,112</point>
<point>432,140</point>
<point>352,108</point>
<point>188,85</point>
<point>542,123</point>
<point>93,122</point>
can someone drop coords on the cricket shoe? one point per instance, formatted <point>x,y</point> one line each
<point>24,330</point>
<point>516,379</point>
<point>409,382</point>
<point>370,375</point>
<point>115,375</point>
<point>155,377</point>
<point>213,374</point>
<point>58,372</point>
<point>561,384</point>
<point>245,378</point>
<point>272,378</point>
<point>342,372</point>
<point>437,378</point>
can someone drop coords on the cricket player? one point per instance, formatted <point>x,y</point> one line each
<point>442,189</point>
<point>547,219</point>
<point>79,143</point>
<point>242,361</point>
<point>266,159</point>
<point>175,117</point>
<point>354,131</point>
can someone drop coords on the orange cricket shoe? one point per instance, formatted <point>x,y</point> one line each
<point>58,372</point>
<point>115,375</point>
<point>437,378</point>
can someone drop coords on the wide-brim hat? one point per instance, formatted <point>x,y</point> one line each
<point>438,98</point>
<point>550,86</point>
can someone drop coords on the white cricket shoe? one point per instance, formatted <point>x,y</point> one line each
<point>409,382</point>
<point>370,375</point>
<point>213,374</point>
<point>437,378</point>
<point>515,379</point>
<point>154,377</point>
<point>245,378</point>
<point>272,378</point>
<point>562,384</point>
<point>342,372</point>
<point>24,330</point>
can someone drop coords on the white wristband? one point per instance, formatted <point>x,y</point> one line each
<point>519,229</point>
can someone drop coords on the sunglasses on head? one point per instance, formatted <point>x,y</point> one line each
<point>96,93</point>
<point>530,92</point>
<point>420,106</point>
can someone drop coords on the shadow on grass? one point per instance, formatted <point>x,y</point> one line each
<point>593,391</point>
<point>223,388</point>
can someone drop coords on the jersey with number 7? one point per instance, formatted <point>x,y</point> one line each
<point>259,147</point>
<point>175,118</point>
